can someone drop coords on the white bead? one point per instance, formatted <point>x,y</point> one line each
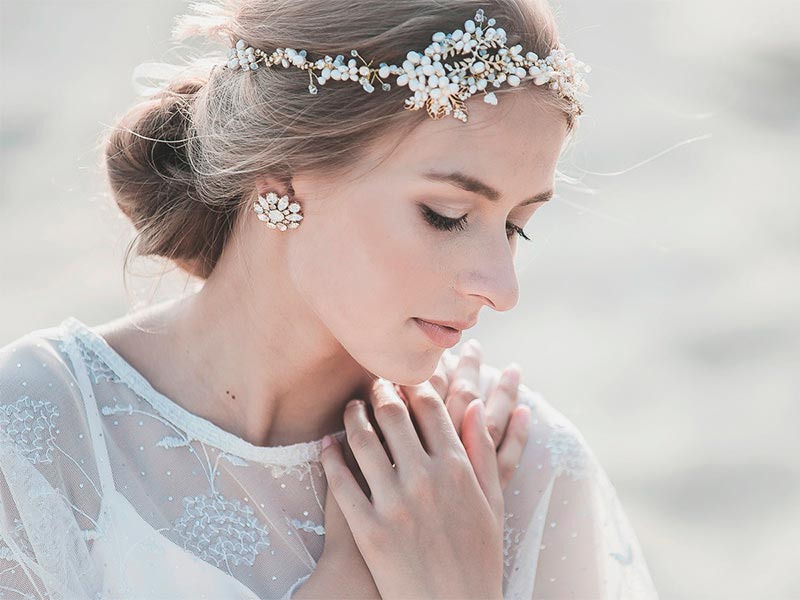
<point>439,36</point>
<point>413,57</point>
<point>294,207</point>
<point>283,203</point>
<point>275,216</point>
<point>240,45</point>
<point>384,72</point>
<point>233,63</point>
<point>469,25</point>
<point>513,80</point>
<point>490,98</point>
<point>477,67</point>
<point>456,35</point>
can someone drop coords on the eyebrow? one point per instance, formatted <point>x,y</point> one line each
<point>474,185</point>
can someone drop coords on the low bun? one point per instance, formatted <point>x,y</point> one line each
<point>149,168</point>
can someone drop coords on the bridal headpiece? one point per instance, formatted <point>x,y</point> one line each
<point>480,59</point>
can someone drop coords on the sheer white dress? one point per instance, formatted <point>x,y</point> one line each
<point>109,489</point>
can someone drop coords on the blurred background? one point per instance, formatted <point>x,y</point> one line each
<point>659,300</point>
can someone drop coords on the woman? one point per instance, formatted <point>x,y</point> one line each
<point>167,453</point>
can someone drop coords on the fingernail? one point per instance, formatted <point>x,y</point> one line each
<point>326,441</point>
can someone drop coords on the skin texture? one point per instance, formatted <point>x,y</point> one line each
<point>292,325</point>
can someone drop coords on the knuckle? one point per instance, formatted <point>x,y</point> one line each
<point>463,389</point>
<point>453,461</point>
<point>390,411</point>
<point>376,537</point>
<point>421,488</point>
<point>429,401</point>
<point>495,432</point>
<point>396,512</point>
<point>359,439</point>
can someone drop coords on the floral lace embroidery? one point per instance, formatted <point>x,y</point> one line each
<point>221,530</point>
<point>97,369</point>
<point>31,424</point>
<point>567,453</point>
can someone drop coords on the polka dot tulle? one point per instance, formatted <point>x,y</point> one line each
<point>110,489</point>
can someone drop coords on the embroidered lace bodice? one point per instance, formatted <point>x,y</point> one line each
<point>109,489</point>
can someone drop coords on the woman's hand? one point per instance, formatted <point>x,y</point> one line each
<point>506,420</point>
<point>434,523</point>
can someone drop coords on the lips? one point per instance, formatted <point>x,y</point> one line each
<point>441,335</point>
<point>457,325</point>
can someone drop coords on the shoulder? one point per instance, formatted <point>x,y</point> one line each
<point>36,358</point>
<point>39,395</point>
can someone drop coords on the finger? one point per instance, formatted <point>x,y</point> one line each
<point>480,449</point>
<point>501,401</point>
<point>510,452</point>
<point>394,420</point>
<point>366,447</point>
<point>351,500</point>
<point>438,433</point>
<point>465,384</point>
<point>352,464</point>
<point>439,380</point>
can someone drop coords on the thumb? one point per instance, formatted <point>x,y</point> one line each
<point>481,452</point>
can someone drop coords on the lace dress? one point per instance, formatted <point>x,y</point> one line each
<point>109,489</point>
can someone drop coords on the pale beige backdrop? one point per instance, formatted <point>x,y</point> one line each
<point>659,312</point>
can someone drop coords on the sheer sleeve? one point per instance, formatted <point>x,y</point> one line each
<point>566,535</point>
<point>48,498</point>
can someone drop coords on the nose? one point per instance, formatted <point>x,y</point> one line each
<point>490,275</point>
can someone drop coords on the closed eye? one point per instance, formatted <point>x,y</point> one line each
<point>443,223</point>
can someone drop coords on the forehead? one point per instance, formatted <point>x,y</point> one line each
<point>514,145</point>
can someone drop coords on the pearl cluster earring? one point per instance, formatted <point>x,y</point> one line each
<point>278,213</point>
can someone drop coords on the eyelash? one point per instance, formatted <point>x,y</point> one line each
<point>447,224</point>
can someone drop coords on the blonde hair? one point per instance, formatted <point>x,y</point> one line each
<point>182,164</point>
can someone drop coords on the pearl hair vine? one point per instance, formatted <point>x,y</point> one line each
<point>481,60</point>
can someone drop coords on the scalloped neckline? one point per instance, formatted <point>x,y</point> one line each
<point>194,425</point>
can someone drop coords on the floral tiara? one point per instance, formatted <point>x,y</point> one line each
<point>481,59</point>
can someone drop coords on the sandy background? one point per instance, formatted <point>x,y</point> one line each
<point>659,306</point>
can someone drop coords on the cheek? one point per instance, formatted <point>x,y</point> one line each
<point>364,271</point>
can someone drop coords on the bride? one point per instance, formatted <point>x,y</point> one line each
<point>298,427</point>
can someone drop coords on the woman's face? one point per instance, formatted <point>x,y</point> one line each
<point>367,260</point>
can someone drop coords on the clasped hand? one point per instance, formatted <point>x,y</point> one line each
<point>424,506</point>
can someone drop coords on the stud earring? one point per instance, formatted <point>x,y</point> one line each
<point>278,213</point>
